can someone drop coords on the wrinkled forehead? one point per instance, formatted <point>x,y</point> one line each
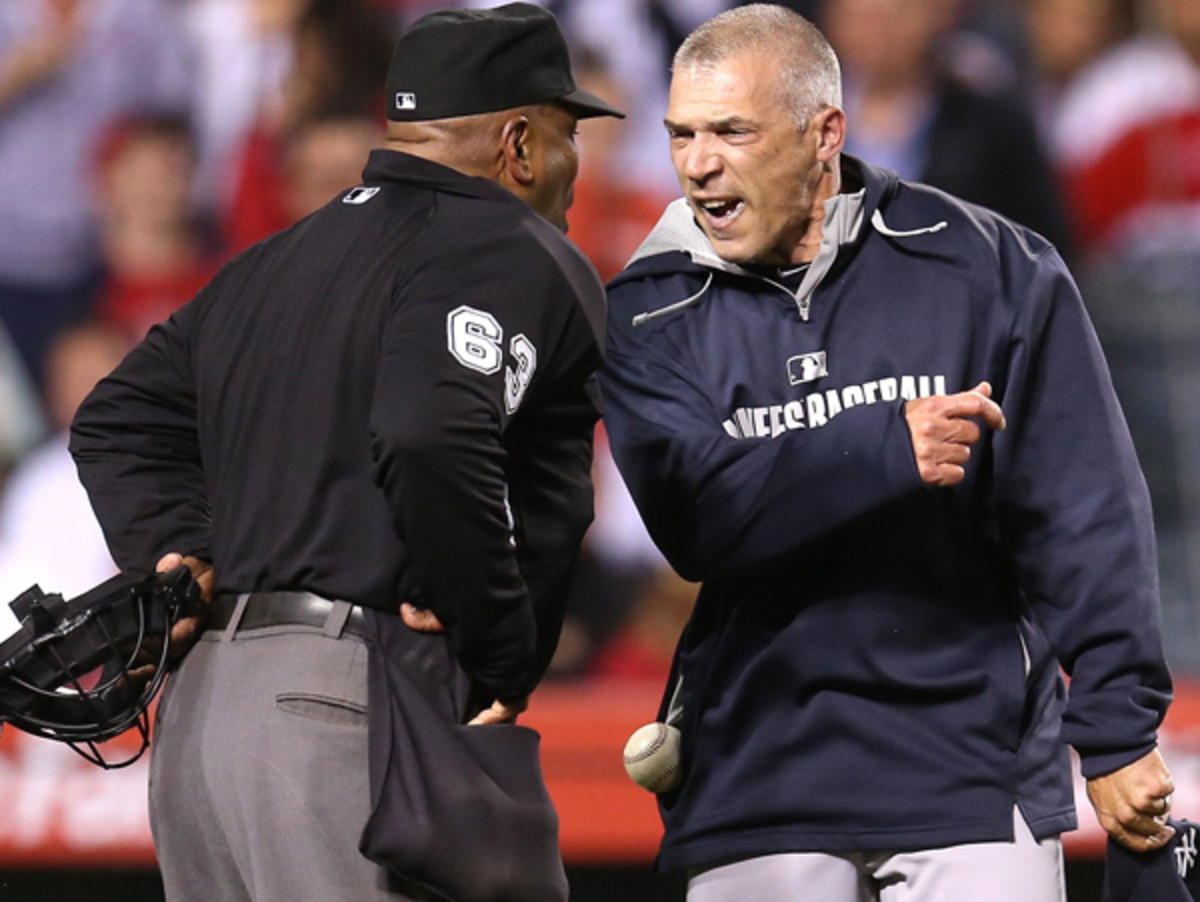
<point>738,85</point>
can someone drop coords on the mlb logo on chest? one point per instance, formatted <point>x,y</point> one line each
<point>806,368</point>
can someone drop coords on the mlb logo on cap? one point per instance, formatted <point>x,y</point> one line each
<point>1167,875</point>
<point>466,61</point>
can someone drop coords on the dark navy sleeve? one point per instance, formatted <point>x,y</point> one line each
<point>135,443</point>
<point>714,503</point>
<point>1074,508</point>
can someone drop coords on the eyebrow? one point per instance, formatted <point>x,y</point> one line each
<point>713,124</point>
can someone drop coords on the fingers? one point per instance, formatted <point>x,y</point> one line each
<point>943,428</point>
<point>1139,832</point>
<point>185,632</point>
<point>1132,803</point>
<point>499,713</point>
<point>202,571</point>
<point>977,403</point>
<point>168,562</point>
<point>140,676</point>
<point>421,620</point>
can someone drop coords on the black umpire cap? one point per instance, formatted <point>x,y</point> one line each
<point>1168,874</point>
<point>458,62</point>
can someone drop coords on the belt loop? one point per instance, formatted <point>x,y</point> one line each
<point>235,619</point>
<point>336,621</point>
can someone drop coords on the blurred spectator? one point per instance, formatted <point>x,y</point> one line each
<point>1064,38</point>
<point>1126,139</point>
<point>642,648</point>
<point>285,181</point>
<point>48,534</point>
<point>243,50</point>
<point>340,52</point>
<point>612,212</point>
<point>21,424</point>
<point>156,254</point>
<point>806,8</point>
<point>916,113</point>
<point>67,67</point>
<point>325,158</point>
<point>639,38</point>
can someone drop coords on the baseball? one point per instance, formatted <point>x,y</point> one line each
<point>652,757</point>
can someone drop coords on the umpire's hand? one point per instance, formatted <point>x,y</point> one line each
<point>187,630</point>
<point>423,620</point>
<point>943,429</point>
<point>1132,803</point>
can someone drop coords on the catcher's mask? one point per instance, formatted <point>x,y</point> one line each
<point>85,670</point>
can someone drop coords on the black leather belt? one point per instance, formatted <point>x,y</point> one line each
<point>265,609</point>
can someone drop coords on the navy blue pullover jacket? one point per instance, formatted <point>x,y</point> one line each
<point>873,664</point>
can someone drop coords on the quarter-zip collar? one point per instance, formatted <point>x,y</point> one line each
<point>677,232</point>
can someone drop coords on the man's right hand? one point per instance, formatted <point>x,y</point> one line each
<point>187,630</point>
<point>943,429</point>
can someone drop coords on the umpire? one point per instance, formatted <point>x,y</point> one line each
<point>390,400</point>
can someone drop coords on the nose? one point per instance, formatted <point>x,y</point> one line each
<point>699,160</point>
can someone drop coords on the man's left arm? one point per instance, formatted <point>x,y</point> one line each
<point>1073,506</point>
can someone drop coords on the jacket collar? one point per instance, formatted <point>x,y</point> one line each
<point>864,189</point>
<point>404,168</point>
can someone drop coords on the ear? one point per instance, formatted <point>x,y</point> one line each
<point>828,129</point>
<point>515,142</point>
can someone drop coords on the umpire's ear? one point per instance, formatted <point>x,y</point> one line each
<point>515,137</point>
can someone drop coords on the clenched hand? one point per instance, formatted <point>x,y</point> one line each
<point>943,429</point>
<point>1132,803</point>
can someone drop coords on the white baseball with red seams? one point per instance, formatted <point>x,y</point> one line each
<point>652,757</point>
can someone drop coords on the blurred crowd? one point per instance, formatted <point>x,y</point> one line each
<point>143,143</point>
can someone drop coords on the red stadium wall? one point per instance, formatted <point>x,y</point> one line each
<point>60,811</point>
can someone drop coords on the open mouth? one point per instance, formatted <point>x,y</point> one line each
<point>722,212</point>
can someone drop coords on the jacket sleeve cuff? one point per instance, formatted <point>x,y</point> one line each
<point>1097,765</point>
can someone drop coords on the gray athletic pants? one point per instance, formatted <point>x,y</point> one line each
<point>258,772</point>
<point>1024,870</point>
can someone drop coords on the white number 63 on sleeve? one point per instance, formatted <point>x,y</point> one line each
<point>476,339</point>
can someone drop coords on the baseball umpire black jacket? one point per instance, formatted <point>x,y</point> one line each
<point>389,400</point>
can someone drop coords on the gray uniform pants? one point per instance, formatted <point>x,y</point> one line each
<point>258,771</point>
<point>1024,870</point>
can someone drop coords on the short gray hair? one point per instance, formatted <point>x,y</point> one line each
<point>810,77</point>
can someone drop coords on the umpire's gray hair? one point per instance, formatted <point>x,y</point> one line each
<point>810,77</point>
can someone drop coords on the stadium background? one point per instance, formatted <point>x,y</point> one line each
<point>145,142</point>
